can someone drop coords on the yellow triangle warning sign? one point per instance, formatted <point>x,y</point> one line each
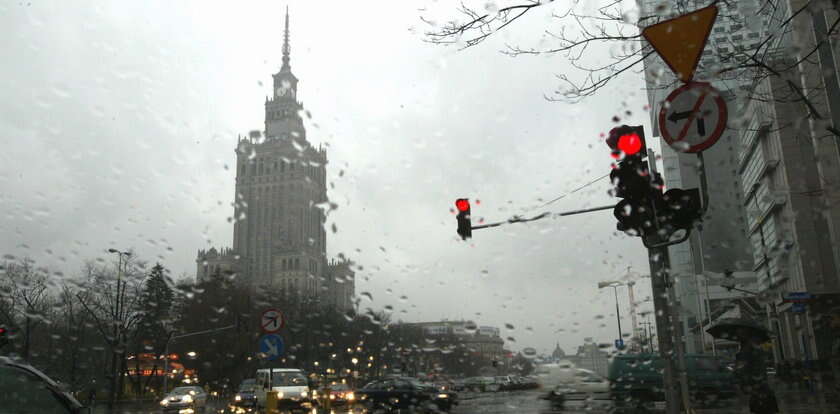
<point>680,41</point>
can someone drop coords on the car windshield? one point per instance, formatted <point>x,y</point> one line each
<point>339,387</point>
<point>185,391</point>
<point>285,379</point>
<point>299,193</point>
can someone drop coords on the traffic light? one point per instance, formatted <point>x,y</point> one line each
<point>679,209</point>
<point>633,182</point>
<point>464,222</point>
<point>4,336</point>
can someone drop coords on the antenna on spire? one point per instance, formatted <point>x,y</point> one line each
<point>286,47</point>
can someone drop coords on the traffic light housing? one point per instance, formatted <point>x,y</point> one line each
<point>633,182</point>
<point>464,221</point>
<point>680,209</point>
<point>4,336</point>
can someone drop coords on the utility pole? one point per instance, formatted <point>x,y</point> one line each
<point>618,314</point>
<point>663,296</point>
<point>632,297</point>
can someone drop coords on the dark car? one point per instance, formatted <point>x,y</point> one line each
<point>245,399</point>
<point>340,394</point>
<point>25,389</point>
<point>636,380</point>
<point>404,393</point>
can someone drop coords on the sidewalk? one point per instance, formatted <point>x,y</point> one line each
<point>819,397</point>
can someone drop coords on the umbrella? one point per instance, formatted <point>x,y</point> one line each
<point>737,329</point>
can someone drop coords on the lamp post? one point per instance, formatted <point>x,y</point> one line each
<point>614,285</point>
<point>118,322</point>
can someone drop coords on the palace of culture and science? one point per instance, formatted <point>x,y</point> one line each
<point>278,234</point>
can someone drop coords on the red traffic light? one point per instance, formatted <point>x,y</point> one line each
<point>627,141</point>
<point>462,204</point>
<point>630,144</point>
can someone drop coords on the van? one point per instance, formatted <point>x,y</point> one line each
<point>291,385</point>
<point>636,380</point>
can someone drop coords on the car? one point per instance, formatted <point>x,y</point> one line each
<point>636,380</point>
<point>530,383</point>
<point>480,384</point>
<point>185,400</point>
<point>404,394</point>
<point>25,390</point>
<point>458,384</point>
<point>290,384</point>
<point>578,386</point>
<point>245,399</point>
<point>504,382</point>
<point>340,394</point>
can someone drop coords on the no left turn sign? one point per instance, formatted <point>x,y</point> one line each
<point>693,117</point>
<point>271,321</point>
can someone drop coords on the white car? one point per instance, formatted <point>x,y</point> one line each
<point>291,385</point>
<point>185,400</point>
<point>579,387</point>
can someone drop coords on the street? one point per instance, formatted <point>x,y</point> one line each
<point>791,401</point>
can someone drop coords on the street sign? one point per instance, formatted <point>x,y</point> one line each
<point>271,321</point>
<point>619,343</point>
<point>798,308</point>
<point>680,41</point>
<point>797,297</point>
<point>693,117</point>
<point>271,346</point>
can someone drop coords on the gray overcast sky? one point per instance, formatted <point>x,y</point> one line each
<point>119,121</point>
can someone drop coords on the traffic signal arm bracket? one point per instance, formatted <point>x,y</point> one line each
<point>666,243</point>
<point>517,219</point>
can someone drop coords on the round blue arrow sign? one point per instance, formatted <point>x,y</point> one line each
<point>271,346</point>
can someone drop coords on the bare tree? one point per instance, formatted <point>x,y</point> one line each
<point>572,33</point>
<point>111,299</point>
<point>25,300</point>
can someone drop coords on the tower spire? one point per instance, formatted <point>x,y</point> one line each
<point>286,47</point>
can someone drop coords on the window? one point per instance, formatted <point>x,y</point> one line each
<point>753,170</point>
<point>286,379</point>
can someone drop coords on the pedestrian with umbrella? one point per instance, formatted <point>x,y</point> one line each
<point>750,362</point>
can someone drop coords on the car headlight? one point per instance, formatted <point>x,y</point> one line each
<point>165,402</point>
<point>237,397</point>
<point>314,393</point>
<point>304,394</point>
<point>187,398</point>
<point>350,396</point>
<point>443,396</point>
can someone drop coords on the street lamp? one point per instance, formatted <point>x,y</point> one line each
<point>117,325</point>
<point>614,284</point>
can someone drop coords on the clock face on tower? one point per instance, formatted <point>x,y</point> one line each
<point>285,88</point>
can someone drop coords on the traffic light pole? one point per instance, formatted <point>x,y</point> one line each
<point>671,351</point>
<point>660,282</point>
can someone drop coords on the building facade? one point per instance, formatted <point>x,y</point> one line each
<point>279,238</point>
<point>721,244</point>
<point>783,156</point>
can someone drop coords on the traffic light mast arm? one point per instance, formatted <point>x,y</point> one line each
<point>517,219</point>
